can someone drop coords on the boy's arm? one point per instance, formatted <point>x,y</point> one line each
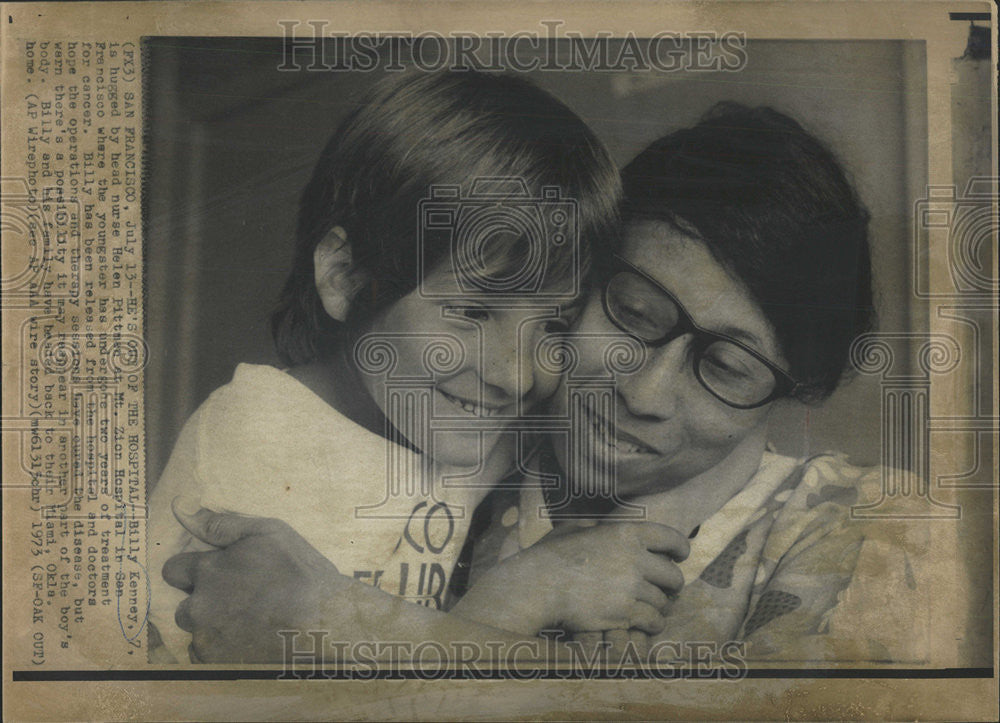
<point>615,575</point>
<point>266,578</point>
<point>166,537</point>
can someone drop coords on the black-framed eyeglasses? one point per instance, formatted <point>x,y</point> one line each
<point>730,370</point>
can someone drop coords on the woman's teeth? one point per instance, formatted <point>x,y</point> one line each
<point>471,408</point>
<point>625,447</point>
<point>604,432</point>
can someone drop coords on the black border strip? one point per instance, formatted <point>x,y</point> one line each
<point>28,676</point>
<point>972,17</point>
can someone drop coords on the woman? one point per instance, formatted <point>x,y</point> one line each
<point>746,275</point>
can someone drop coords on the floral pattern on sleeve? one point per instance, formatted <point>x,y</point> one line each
<point>806,580</point>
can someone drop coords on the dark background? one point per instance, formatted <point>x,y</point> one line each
<point>231,141</point>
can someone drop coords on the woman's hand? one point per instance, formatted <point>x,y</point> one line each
<point>611,576</point>
<point>265,578</point>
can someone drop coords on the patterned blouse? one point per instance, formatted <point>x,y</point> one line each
<point>791,567</point>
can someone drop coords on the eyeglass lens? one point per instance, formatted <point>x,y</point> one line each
<point>729,371</point>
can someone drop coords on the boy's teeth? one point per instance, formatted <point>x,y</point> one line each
<point>472,408</point>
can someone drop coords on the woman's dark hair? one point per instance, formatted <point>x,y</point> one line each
<point>774,207</point>
<point>416,131</point>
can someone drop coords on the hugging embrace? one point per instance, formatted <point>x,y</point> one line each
<point>732,257</point>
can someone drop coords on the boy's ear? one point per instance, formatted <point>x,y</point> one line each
<point>338,280</point>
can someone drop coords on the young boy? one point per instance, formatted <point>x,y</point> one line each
<point>446,218</point>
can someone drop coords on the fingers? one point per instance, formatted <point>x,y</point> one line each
<point>662,573</point>
<point>646,618</point>
<point>613,643</point>
<point>182,615</point>
<point>660,538</point>
<point>220,529</point>
<point>620,639</point>
<point>617,640</point>
<point>204,638</point>
<point>204,648</point>
<point>641,642</point>
<point>651,594</point>
<point>570,527</point>
<point>589,641</point>
<point>180,570</point>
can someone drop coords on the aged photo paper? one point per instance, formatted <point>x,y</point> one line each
<point>469,360</point>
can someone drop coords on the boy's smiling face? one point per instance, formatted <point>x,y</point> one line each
<point>494,376</point>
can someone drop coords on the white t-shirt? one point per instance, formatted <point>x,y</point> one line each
<point>266,445</point>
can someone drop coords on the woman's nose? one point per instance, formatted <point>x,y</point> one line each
<point>652,391</point>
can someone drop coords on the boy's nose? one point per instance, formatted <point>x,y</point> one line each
<point>505,365</point>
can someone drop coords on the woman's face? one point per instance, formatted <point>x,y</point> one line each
<point>493,378</point>
<point>668,427</point>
